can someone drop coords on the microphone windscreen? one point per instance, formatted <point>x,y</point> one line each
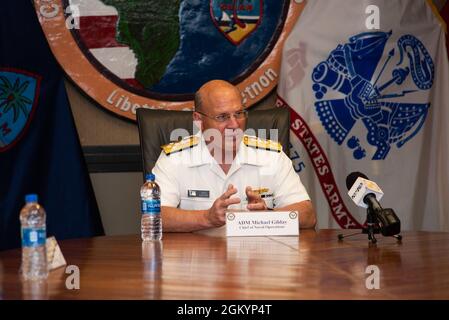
<point>352,177</point>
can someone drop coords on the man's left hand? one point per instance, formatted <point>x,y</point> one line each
<point>255,201</point>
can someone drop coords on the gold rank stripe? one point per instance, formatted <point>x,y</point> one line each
<point>262,144</point>
<point>185,143</point>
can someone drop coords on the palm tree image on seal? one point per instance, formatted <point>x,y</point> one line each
<point>151,29</point>
<point>11,97</point>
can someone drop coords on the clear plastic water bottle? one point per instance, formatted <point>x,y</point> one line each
<point>151,223</point>
<point>33,230</point>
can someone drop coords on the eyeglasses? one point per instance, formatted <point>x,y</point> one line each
<point>241,114</point>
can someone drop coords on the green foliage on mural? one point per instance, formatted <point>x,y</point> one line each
<point>151,29</point>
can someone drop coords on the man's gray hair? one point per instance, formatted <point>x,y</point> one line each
<point>198,102</point>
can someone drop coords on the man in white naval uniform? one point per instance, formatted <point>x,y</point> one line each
<point>202,177</point>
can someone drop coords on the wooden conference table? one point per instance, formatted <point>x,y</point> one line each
<point>314,265</point>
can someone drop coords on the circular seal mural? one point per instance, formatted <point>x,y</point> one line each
<point>156,54</point>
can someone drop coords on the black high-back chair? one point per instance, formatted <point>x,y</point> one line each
<point>156,126</point>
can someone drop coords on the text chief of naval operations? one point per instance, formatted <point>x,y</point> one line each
<point>198,184</point>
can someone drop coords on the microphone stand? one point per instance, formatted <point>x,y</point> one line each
<point>372,228</point>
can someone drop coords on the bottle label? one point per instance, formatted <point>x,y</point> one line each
<point>151,206</point>
<point>33,237</point>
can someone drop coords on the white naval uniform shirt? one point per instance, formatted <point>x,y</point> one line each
<point>191,179</point>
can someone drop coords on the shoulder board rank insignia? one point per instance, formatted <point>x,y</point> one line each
<point>186,143</point>
<point>258,143</point>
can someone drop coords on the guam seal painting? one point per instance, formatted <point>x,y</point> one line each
<point>18,98</point>
<point>156,54</point>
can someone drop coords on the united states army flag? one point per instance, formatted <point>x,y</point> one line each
<point>367,84</point>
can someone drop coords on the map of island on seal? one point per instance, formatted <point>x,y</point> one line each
<point>174,46</point>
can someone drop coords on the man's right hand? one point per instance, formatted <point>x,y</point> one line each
<point>216,214</point>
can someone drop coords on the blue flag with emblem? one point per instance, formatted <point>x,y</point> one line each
<point>366,84</point>
<point>39,147</point>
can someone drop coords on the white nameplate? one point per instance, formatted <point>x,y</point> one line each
<point>262,223</point>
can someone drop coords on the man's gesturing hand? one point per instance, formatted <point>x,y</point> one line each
<point>255,201</point>
<point>216,214</point>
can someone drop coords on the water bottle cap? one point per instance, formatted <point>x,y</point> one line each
<point>31,197</point>
<point>150,177</point>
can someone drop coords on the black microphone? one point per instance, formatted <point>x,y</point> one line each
<point>352,177</point>
<point>366,193</point>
